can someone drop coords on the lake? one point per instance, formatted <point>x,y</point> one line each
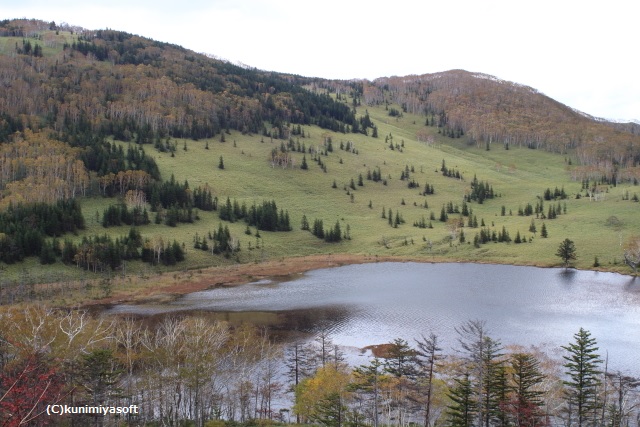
<point>369,304</point>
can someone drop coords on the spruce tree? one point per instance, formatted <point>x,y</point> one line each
<point>582,370</point>
<point>526,404</point>
<point>400,359</point>
<point>566,251</point>
<point>461,412</point>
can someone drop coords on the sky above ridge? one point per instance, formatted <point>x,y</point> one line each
<point>580,53</point>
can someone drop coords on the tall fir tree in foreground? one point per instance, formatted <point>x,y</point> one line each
<point>463,409</point>
<point>582,364</point>
<point>526,406</point>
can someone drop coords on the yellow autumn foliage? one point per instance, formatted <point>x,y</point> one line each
<point>328,380</point>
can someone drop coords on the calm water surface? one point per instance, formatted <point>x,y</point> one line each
<point>376,303</point>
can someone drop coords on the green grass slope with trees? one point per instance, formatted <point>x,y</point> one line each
<point>224,164</point>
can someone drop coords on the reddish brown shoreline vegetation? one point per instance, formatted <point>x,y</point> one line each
<point>169,286</point>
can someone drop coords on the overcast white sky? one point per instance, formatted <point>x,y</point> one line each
<point>581,53</point>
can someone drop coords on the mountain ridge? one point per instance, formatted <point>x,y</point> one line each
<point>125,85</point>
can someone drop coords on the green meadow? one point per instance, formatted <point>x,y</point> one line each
<point>518,175</point>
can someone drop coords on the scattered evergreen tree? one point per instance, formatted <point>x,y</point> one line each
<point>334,234</point>
<point>566,251</point>
<point>318,229</point>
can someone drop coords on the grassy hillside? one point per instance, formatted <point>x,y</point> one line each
<point>257,104</point>
<point>518,175</point>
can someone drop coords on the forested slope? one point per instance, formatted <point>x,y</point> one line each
<point>487,110</point>
<point>131,87</point>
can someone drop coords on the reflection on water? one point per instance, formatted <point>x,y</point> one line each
<point>375,303</point>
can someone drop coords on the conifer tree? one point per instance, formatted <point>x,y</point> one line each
<point>582,370</point>
<point>567,251</point>
<point>525,408</point>
<point>462,410</point>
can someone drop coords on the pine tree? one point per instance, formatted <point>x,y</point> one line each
<point>443,214</point>
<point>99,376</point>
<point>518,239</point>
<point>462,410</point>
<point>400,359</point>
<point>525,407</point>
<point>492,381</point>
<point>221,163</point>
<point>543,231</point>
<point>582,369</point>
<point>566,251</point>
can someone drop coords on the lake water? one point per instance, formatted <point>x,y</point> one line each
<point>375,303</point>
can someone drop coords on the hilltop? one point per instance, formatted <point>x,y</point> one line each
<point>214,164</point>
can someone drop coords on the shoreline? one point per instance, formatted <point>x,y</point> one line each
<point>157,289</point>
